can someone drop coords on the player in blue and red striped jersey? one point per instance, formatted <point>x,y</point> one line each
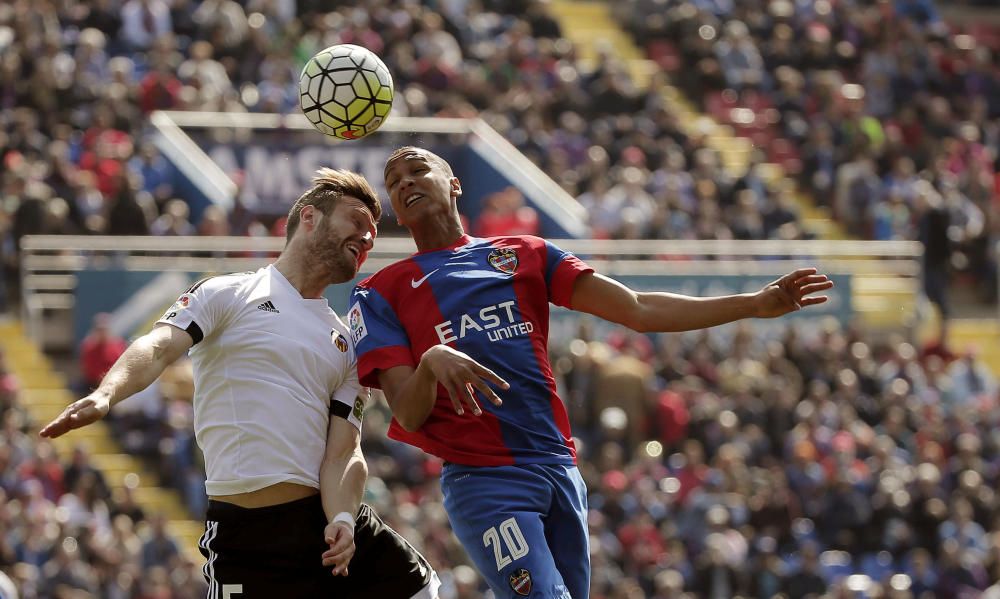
<point>462,313</point>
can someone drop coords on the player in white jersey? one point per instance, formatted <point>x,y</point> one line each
<point>278,410</point>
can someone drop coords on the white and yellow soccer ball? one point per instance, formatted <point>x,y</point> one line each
<point>346,91</point>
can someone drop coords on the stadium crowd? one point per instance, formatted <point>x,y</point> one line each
<point>723,463</point>
<point>78,80</point>
<point>67,533</point>
<point>738,462</point>
<point>888,115</point>
<point>894,126</point>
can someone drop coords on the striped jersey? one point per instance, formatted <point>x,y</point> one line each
<point>488,298</point>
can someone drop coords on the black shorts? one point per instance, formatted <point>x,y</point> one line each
<point>277,552</point>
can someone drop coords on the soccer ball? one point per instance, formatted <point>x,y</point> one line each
<point>345,91</point>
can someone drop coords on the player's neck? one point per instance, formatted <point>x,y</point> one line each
<point>301,277</point>
<point>437,234</point>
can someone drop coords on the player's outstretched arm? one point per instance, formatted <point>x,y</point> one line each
<point>412,392</point>
<point>668,312</point>
<point>342,477</point>
<point>136,369</point>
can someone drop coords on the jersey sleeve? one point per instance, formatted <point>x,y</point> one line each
<point>201,309</point>
<point>350,399</point>
<point>561,270</point>
<point>378,335</point>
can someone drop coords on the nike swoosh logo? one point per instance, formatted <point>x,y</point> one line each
<point>416,283</point>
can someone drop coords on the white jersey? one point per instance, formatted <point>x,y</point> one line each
<point>269,369</point>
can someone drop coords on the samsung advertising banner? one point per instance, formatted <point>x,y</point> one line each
<point>273,167</point>
<point>272,175</point>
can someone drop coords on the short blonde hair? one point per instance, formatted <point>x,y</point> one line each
<point>329,186</point>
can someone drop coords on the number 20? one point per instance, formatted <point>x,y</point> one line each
<point>517,547</point>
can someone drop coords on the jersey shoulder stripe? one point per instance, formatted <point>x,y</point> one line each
<point>204,280</point>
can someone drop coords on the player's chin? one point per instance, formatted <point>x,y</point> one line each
<point>344,271</point>
<point>427,210</point>
<point>352,262</point>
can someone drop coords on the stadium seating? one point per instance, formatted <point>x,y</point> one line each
<point>860,89</point>
<point>97,545</point>
<point>746,445</point>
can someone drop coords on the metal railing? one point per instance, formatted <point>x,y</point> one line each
<point>49,264</point>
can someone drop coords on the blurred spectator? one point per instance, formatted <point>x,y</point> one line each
<point>223,22</point>
<point>143,21</point>
<point>806,580</point>
<point>80,467</point>
<point>933,224</point>
<point>204,73</point>
<point>214,221</point>
<point>124,504</point>
<point>155,172</point>
<point>159,549</point>
<point>98,352</point>
<point>504,213</point>
<point>972,381</point>
<point>174,220</point>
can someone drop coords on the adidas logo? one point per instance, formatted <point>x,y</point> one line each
<point>268,307</point>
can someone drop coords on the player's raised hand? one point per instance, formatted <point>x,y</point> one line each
<point>340,538</point>
<point>78,414</point>
<point>461,376</point>
<point>792,292</point>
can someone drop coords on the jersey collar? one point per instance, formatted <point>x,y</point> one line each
<point>461,241</point>
<point>276,275</point>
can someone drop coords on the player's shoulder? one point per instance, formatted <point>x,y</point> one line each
<point>227,281</point>
<point>526,242</point>
<point>532,242</point>
<point>385,279</point>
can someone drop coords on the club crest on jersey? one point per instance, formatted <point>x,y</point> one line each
<point>520,581</point>
<point>504,260</point>
<point>339,341</point>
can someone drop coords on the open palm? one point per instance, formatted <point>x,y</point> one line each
<point>80,413</point>
<point>792,292</point>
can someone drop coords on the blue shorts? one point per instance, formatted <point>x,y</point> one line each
<point>525,527</point>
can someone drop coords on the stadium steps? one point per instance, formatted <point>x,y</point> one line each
<point>884,302</point>
<point>880,301</point>
<point>45,394</point>
<point>981,334</point>
<point>590,25</point>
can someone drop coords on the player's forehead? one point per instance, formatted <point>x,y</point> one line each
<point>406,158</point>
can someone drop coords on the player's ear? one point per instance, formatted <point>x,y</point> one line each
<point>308,216</point>
<point>456,187</point>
